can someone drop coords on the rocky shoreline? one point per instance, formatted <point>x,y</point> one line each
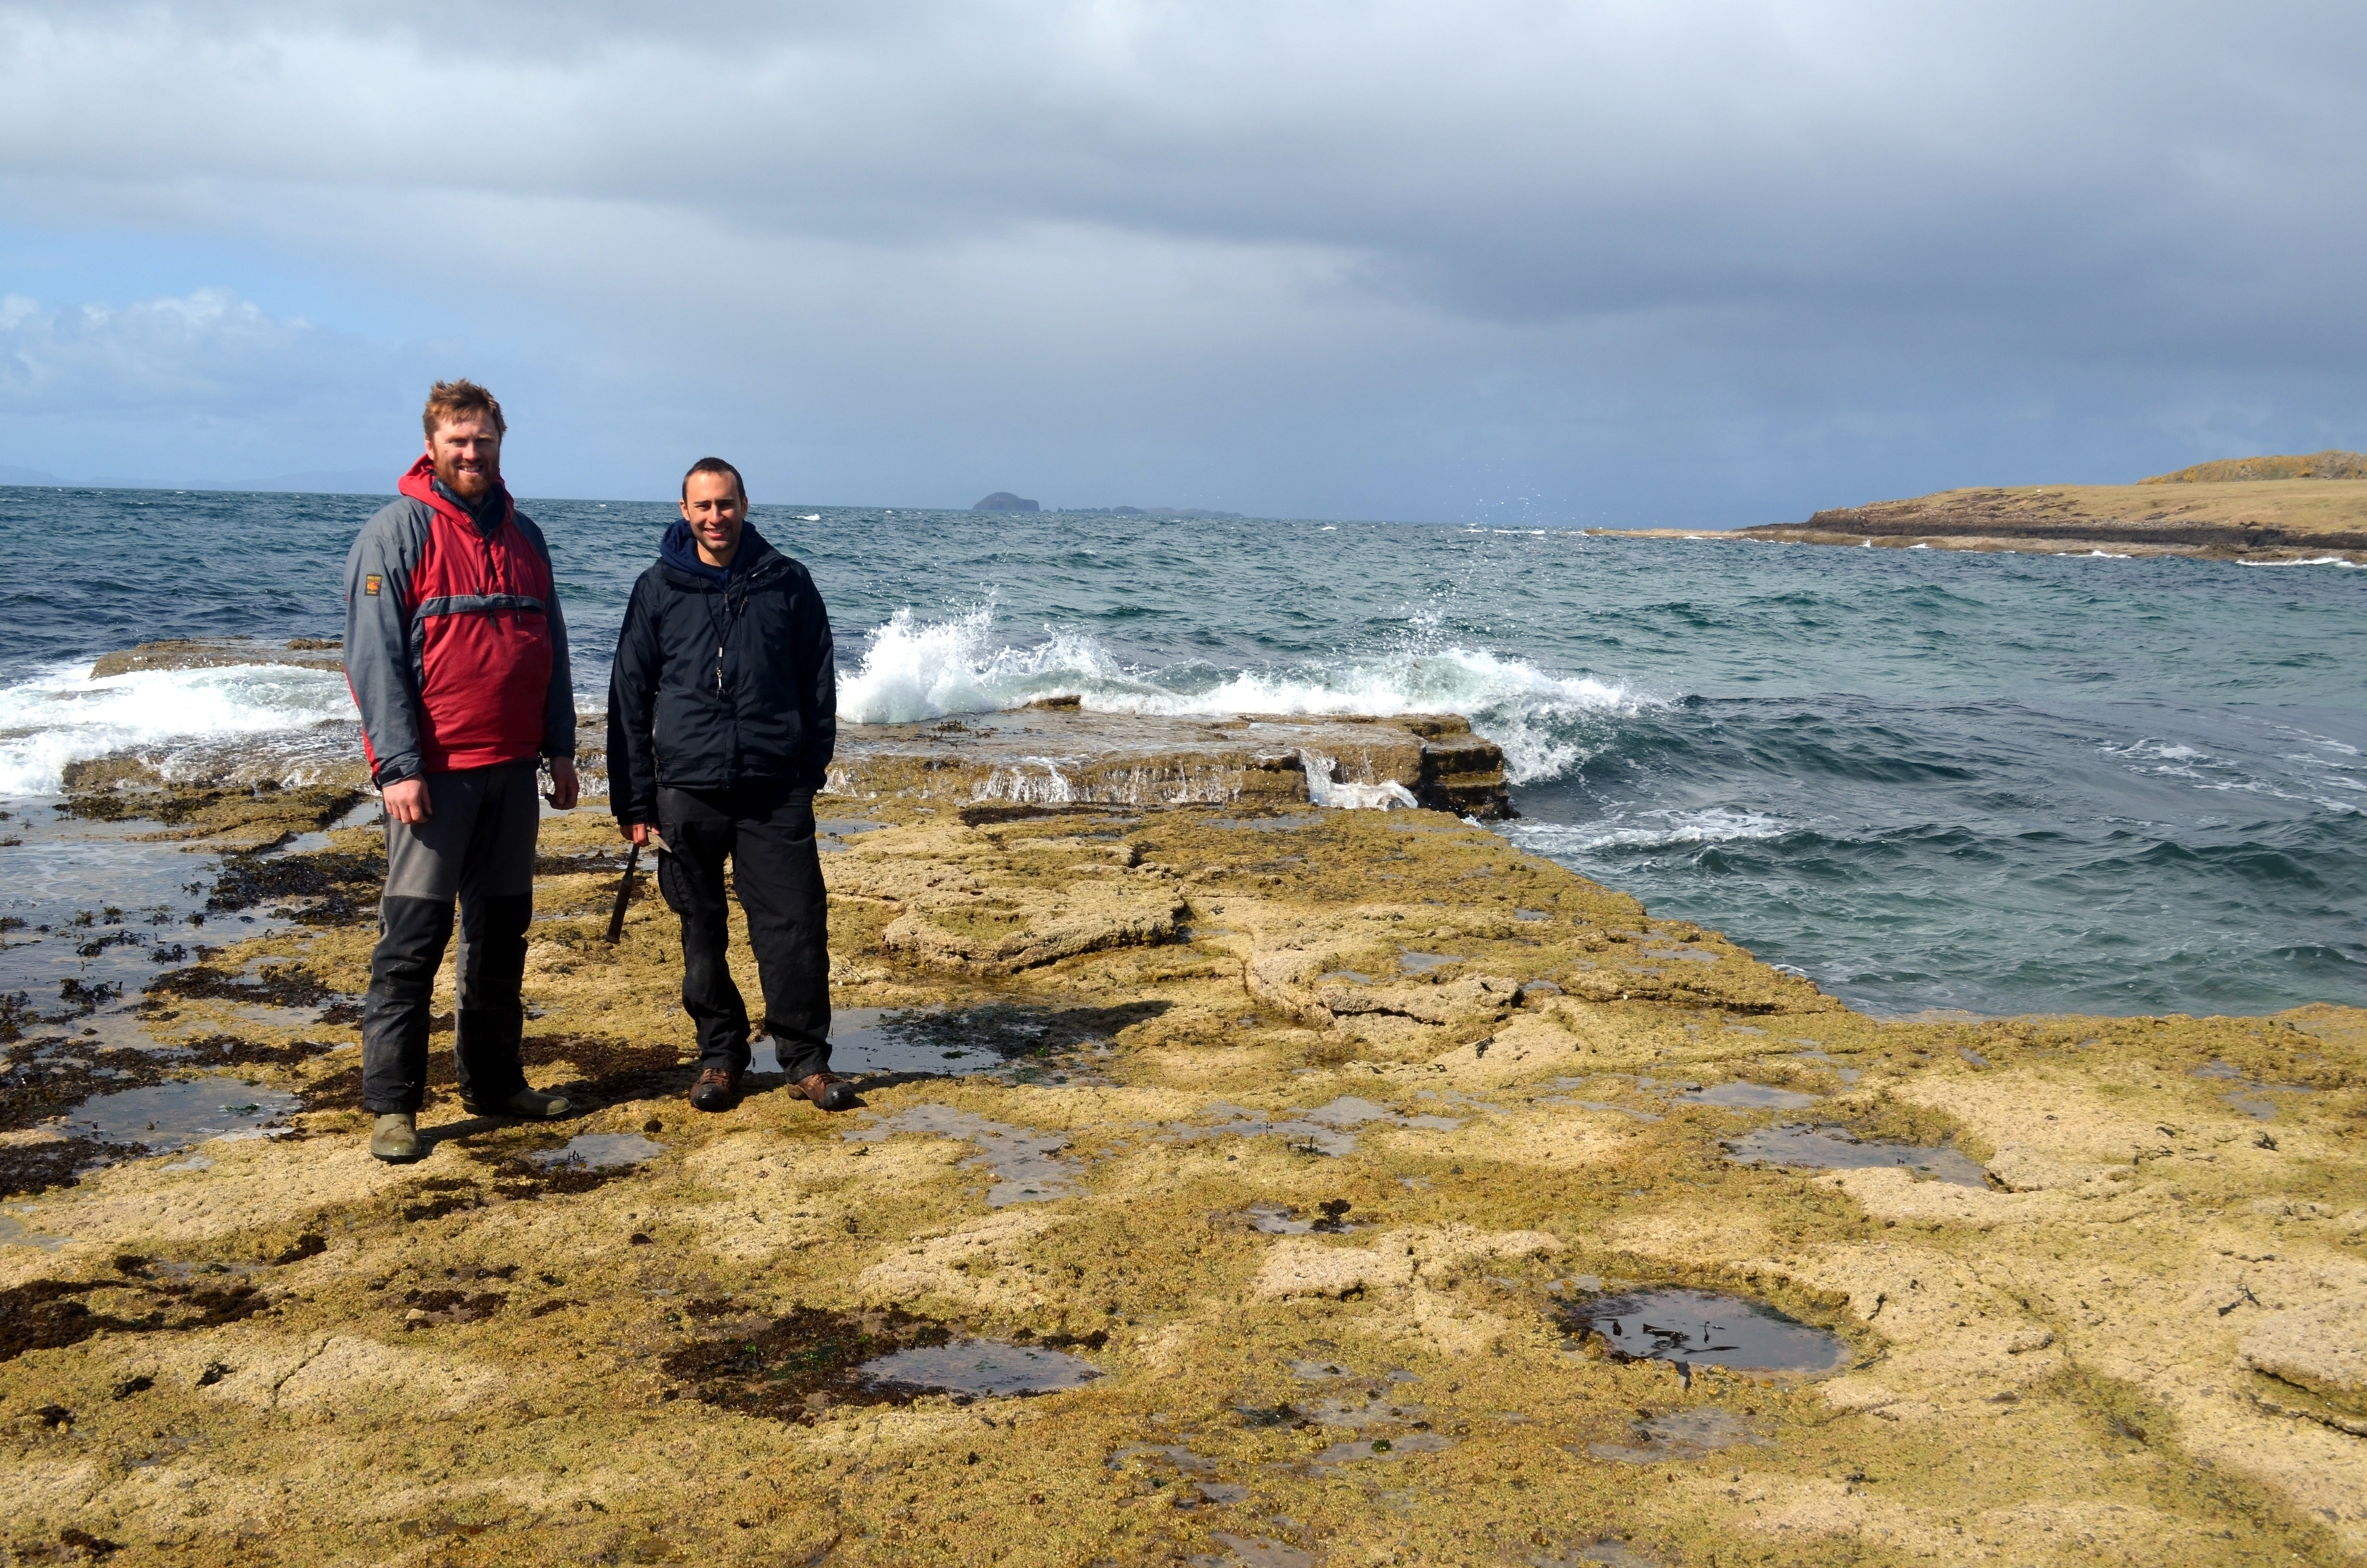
<point>2264,520</point>
<point>1306,1163</point>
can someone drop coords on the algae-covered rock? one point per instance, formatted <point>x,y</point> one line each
<point>2322,1348</point>
<point>1271,1145</point>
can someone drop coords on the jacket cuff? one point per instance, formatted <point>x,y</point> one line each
<point>397,770</point>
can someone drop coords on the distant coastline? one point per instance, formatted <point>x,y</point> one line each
<point>2253,509</point>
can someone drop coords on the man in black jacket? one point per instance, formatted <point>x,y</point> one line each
<point>723,715</point>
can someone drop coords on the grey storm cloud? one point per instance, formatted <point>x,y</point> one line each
<point>1320,257</point>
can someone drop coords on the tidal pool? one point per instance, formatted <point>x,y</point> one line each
<point>1693,1328</point>
<point>2249,1097</point>
<point>830,835</point>
<point>1834,1148</point>
<point>598,1152</point>
<point>1678,1435</point>
<point>1326,1129</point>
<point>882,1040</point>
<point>163,1116</point>
<point>1738,1096</point>
<point>981,1368</point>
<point>1026,1161</point>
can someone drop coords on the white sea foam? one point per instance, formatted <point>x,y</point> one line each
<point>60,716</point>
<point>2312,561</point>
<point>1664,829</point>
<point>914,670</point>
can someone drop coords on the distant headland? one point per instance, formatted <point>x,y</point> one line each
<point>2262,508</point>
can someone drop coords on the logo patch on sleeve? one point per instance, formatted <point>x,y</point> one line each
<point>369,585</point>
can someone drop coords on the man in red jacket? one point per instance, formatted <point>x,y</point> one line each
<point>456,655</point>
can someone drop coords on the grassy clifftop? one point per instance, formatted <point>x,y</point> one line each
<point>2266,508</point>
<point>2317,465</point>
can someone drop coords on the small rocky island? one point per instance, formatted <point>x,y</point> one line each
<point>1004,501</point>
<point>1237,1179</point>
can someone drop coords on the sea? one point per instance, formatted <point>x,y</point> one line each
<point>1932,782</point>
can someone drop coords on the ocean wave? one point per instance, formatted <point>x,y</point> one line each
<point>912,670</point>
<point>2312,561</point>
<point>1659,829</point>
<point>61,717</point>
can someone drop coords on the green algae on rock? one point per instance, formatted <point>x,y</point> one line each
<point>2106,1354</point>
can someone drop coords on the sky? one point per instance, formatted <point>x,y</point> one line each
<point>1696,263</point>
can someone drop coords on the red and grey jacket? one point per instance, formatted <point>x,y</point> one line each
<point>455,648</point>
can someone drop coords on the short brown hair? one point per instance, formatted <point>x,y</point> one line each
<point>447,400</point>
<point>716,465</point>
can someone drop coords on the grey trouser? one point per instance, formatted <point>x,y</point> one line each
<point>477,846</point>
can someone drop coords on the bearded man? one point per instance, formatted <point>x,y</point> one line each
<point>457,656</point>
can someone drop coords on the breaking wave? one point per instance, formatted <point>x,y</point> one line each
<point>182,720</point>
<point>913,669</point>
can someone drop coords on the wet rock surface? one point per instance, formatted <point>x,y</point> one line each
<point>1328,1185</point>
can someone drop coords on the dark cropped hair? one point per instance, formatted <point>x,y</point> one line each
<point>447,401</point>
<point>716,465</point>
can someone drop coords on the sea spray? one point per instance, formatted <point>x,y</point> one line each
<point>914,670</point>
<point>181,720</point>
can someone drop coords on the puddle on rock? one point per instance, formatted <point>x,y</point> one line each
<point>1251,1551</point>
<point>798,1366</point>
<point>1740,1096</point>
<point>1359,1448</point>
<point>1026,1162</point>
<point>162,1117</point>
<point>882,1040</point>
<point>1531,914</point>
<point>1281,1219</point>
<point>1847,1075</point>
<point>1194,1473</point>
<point>1692,1328</point>
<point>1591,1554</point>
<point>1285,824</point>
<point>598,1152</point>
<point>1423,963</point>
<point>832,834</point>
<point>15,1232</point>
<point>2249,1096</point>
<point>1024,1041</point>
<point>1833,1149</point>
<point>980,1368</point>
<point>1678,1435</point>
<point>1322,1131</point>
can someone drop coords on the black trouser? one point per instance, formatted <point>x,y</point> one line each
<point>477,846</point>
<point>767,833</point>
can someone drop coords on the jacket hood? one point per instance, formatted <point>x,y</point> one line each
<point>679,549</point>
<point>419,482</point>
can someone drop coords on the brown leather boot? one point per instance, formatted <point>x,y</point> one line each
<point>827,1089</point>
<point>716,1089</point>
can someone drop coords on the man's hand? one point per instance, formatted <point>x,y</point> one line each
<point>639,832</point>
<point>407,801</point>
<point>564,784</point>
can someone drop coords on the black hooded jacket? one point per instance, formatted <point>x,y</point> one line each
<point>723,677</point>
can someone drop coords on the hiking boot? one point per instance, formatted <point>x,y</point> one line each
<point>531,1104</point>
<point>827,1089</point>
<point>717,1089</point>
<point>394,1138</point>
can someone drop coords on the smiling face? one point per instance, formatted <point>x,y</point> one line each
<point>466,451</point>
<point>713,506</point>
